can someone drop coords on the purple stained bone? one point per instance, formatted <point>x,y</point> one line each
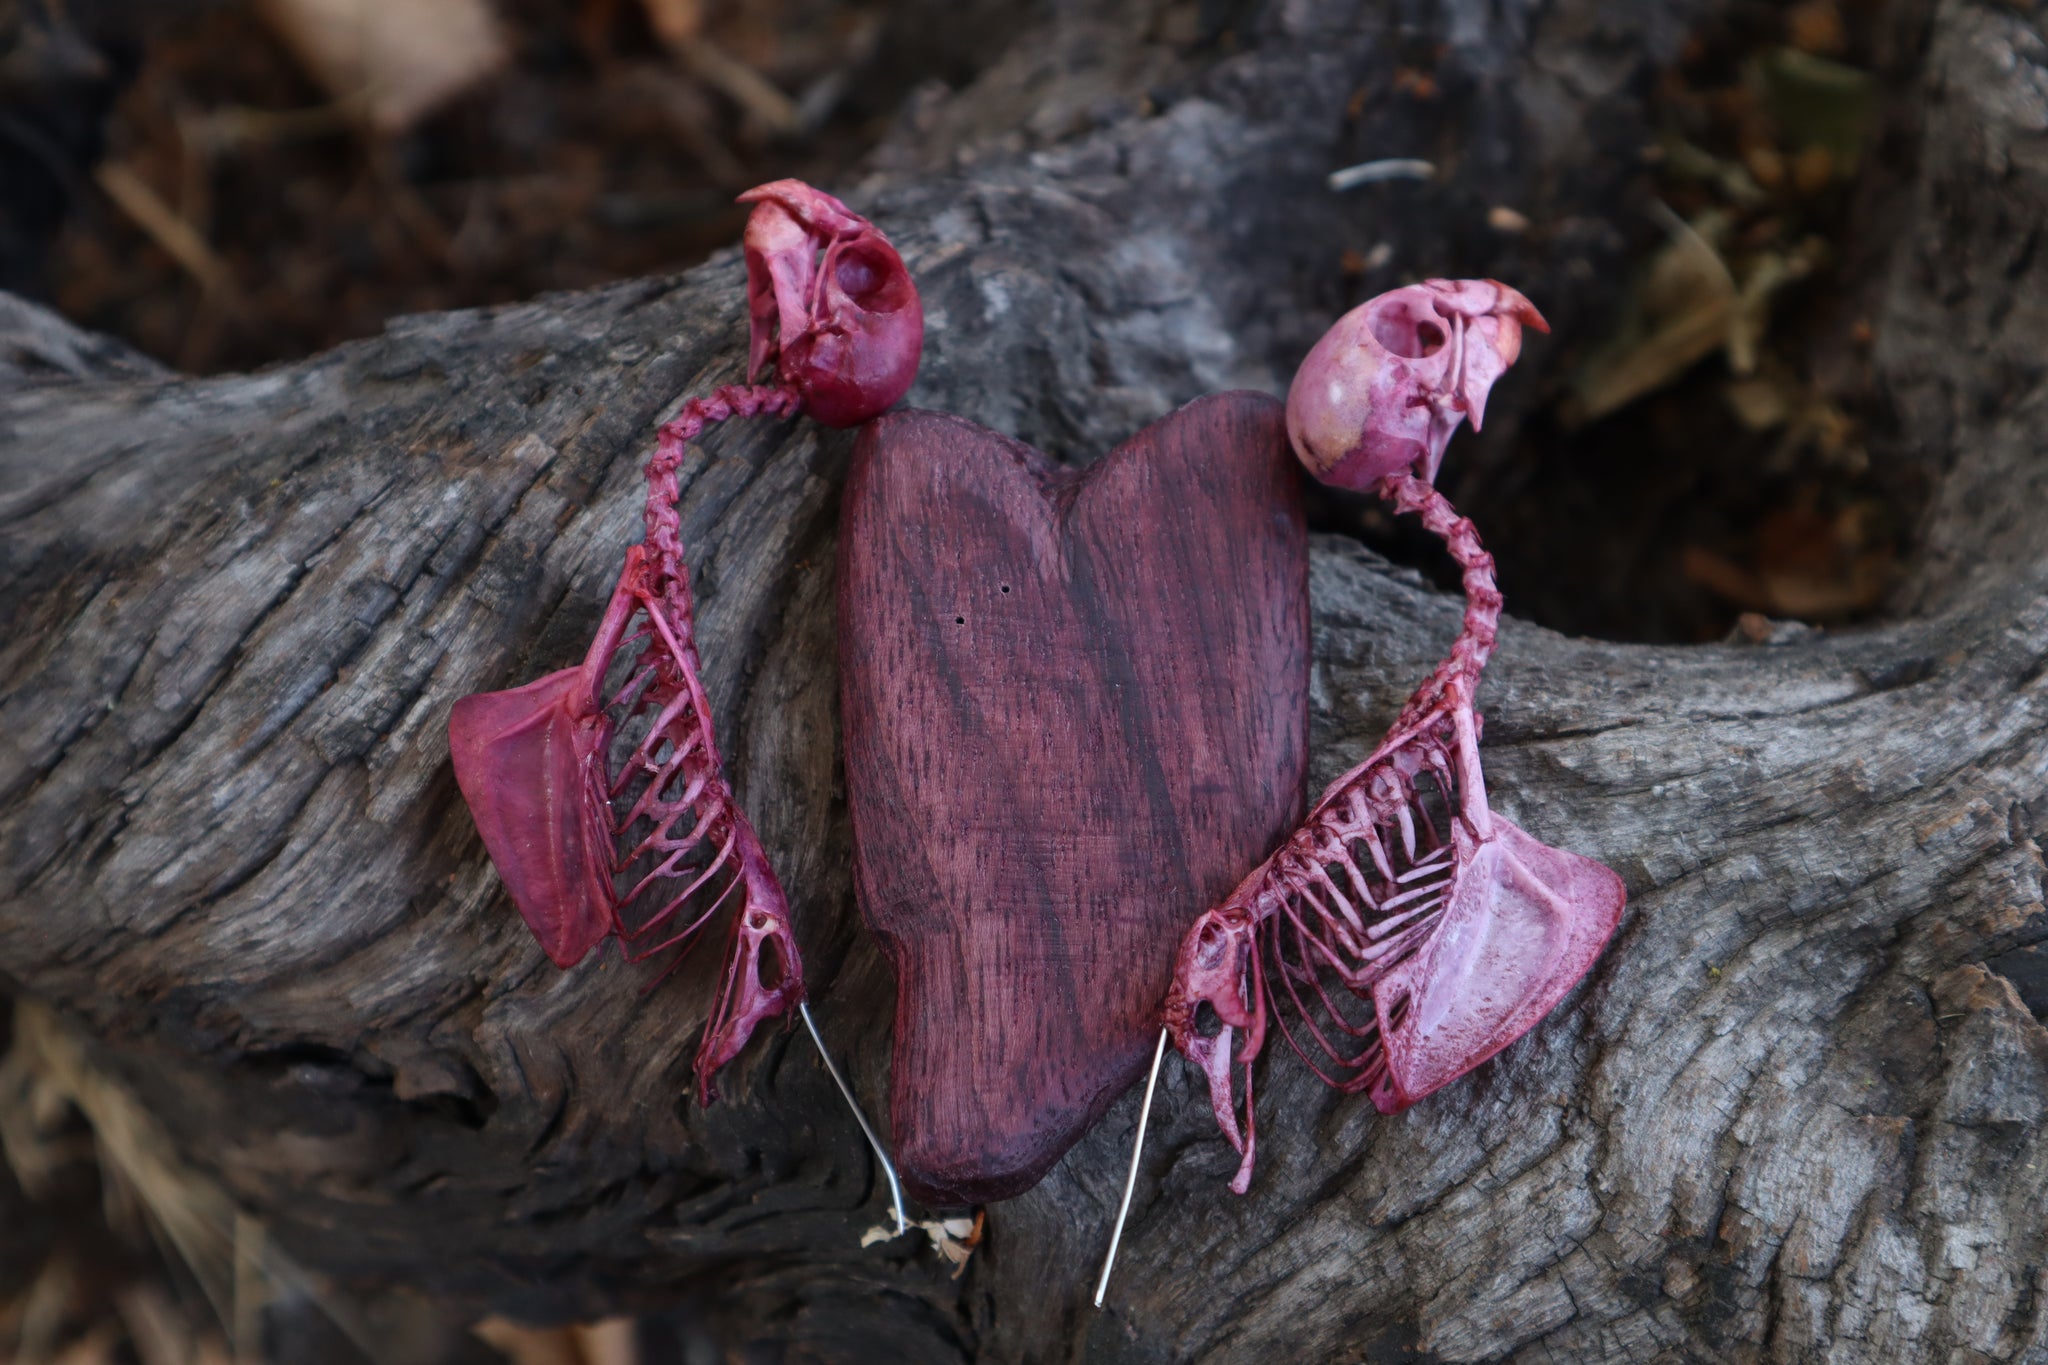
<point>598,789</point>
<point>1383,390</point>
<point>831,304</point>
<point>1408,931</point>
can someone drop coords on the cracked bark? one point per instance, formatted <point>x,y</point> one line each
<point>1794,1114</point>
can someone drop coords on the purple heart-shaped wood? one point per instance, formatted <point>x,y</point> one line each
<point>1075,707</point>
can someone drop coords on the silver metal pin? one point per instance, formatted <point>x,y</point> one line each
<point>1131,1180</point>
<point>860,1117</point>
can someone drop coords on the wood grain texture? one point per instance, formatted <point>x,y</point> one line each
<point>1798,1113</point>
<point>1075,705</point>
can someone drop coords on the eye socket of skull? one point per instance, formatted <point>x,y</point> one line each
<point>1407,325</point>
<point>871,276</point>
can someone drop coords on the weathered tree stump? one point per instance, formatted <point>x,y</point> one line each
<point>1794,1114</point>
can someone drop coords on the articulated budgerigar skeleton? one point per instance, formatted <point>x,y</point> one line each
<point>1409,931</point>
<point>598,789</point>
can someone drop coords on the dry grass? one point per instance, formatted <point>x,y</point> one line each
<point>138,1258</point>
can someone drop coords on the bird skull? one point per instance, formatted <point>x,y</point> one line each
<point>830,303</point>
<point>1384,389</point>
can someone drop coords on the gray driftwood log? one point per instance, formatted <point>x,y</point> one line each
<point>1795,1114</point>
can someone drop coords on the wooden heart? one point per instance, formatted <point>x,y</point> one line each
<point>1075,705</point>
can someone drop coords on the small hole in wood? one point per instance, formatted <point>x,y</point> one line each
<point>959,620</point>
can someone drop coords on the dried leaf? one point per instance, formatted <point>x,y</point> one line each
<point>48,1302</point>
<point>956,1238</point>
<point>524,1345</point>
<point>96,1347</point>
<point>1767,164</point>
<point>1812,169</point>
<point>1807,563</point>
<point>403,57</point>
<point>1818,103</point>
<point>675,21</point>
<point>1687,305</point>
<point>1760,403</point>
<point>613,1341</point>
<point>1765,274</point>
<point>1816,26</point>
<point>953,1238</point>
<point>1679,315</point>
<point>1684,160</point>
<point>155,1327</point>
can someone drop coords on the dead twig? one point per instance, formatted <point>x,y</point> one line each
<point>180,240</point>
<point>746,87</point>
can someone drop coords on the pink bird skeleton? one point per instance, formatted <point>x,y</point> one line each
<point>1408,931</point>
<point>598,789</point>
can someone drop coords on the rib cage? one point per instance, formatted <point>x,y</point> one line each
<point>1358,889</point>
<point>667,796</point>
<point>681,845</point>
<point>1359,896</point>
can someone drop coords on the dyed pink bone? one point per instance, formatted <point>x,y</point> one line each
<point>1408,931</point>
<point>594,838</point>
<point>1219,967</point>
<point>1524,922</point>
<point>1383,390</point>
<point>529,762</point>
<point>831,302</point>
<point>598,789</point>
